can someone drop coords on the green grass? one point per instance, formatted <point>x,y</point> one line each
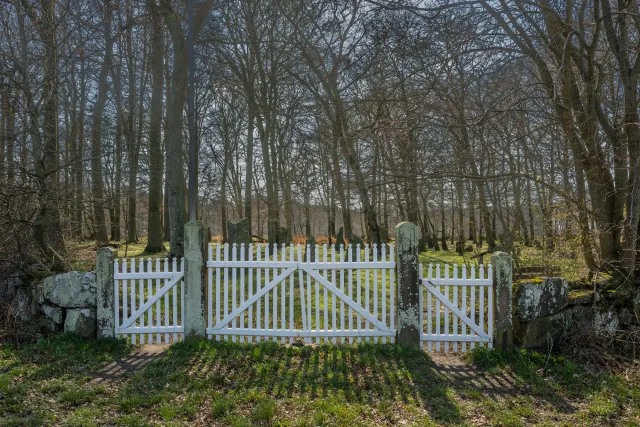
<point>62,381</point>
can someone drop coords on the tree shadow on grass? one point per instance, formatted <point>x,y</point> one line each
<point>366,374</point>
<point>369,375</point>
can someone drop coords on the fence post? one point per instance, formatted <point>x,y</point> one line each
<point>105,302</point>
<point>195,248</point>
<point>408,303</point>
<point>503,301</point>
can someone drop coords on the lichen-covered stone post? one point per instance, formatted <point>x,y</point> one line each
<point>503,301</point>
<point>408,304</point>
<point>105,313</point>
<point>195,248</point>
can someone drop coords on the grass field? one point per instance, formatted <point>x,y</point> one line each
<point>68,381</point>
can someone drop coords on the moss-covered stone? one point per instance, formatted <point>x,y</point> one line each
<point>539,299</point>
<point>579,297</point>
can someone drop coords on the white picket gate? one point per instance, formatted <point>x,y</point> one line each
<point>456,313</point>
<point>152,297</point>
<point>336,295</point>
<point>317,294</point>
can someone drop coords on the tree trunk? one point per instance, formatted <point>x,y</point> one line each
<point>154,231</point>
<point>97,186</point>
<point>48,228</point>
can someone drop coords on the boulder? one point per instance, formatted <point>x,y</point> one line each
<point>581,297</point>
<point>74,289</point>
<point>284,236</point>
<point>607,322</point>
<point>238,231</point>
<point>355,240</point>
<point>541,333</point>
<point>55,314</point>
<point>422,244</point>
<point>539,298</point>
<point>81,321</point>
<point>340,237</point>
<point>311,245</point>
<point>8,287</point>
<point>384,235</point>
<point>636,302</point>
<point>23,305</point>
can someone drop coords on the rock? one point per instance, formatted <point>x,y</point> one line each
<point>284,236</point>
<point>55,314</point>
<point>579,317</point>
<point>422,244</point>
<point>23,305</point>
<point>625,317</point>
<point>238,231</point>
<point>537,299</point>
<point>540,333</point>
<point>81,321</point>
<point>355,240</point>
<point>607,322</point>
<point>73,289</point>
<point>580,297</point>
<point>340,237</point>
<point>52,326</point>
<point>8,287</point>
<point>311,245</point>
<point>468,248</point>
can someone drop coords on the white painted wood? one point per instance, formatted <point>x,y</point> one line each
<point>384,289</point>
<point>278,295</point>
<point>429,309</point>
<point>467,321</point>
<point>464,305</point>
<point>438,330</point>
<point>421,299</point>
<point>144,292</point>
<point>392,292</point>
<point>116,295</point>
<point>457,304</point>
<point>165,268</point>
<point>133,297</point>
<point>446,310</point>
<point>299,333</point>
<point>449,305</point>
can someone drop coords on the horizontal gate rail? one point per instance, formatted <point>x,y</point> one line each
<point>149,300</point>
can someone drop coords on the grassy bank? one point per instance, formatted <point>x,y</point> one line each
<point>64,380</point>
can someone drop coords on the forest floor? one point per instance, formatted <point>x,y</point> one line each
<point>68,381</point>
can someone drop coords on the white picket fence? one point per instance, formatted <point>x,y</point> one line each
<point>317,294</point>
<point>456,313</point>
<point>149,300</point>
<point>337,295</point>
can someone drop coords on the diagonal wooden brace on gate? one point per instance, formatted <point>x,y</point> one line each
<point>242,307</point>
<point>337,292</point>
<point>150,302</point>
<point>434,291</point>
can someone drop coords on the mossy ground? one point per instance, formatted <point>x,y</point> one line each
<point>67,381</point>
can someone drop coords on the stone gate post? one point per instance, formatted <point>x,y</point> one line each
<point>503,301</point>
<point>105,313</point>
<point>195,273</point>
<point>408,304</point>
